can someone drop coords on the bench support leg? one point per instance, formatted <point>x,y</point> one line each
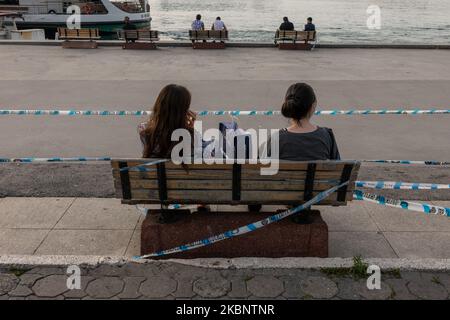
<point>168,216</point>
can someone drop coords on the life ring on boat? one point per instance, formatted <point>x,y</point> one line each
<point>88,8</point>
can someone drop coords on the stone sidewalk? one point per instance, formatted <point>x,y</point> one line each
<point>104,227</point>
<point>169,280</point>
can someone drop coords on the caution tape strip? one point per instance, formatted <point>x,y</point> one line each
<point>244,229</point>
<point>396,185</point>
<point>401,204</point>
<point>43,112</point>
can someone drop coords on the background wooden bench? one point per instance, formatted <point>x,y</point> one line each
<point>233,184</point>
<point>208,35</point>
<point>79,38</point>
<point>295,39</point>
<point>145,39</point>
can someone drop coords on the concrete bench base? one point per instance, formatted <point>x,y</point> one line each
<point>208,45</point>
<point>79,45</point>
<point>281,239</point>
<point>139,46</point>
<point>295,46</point>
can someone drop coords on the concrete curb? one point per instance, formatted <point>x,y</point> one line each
<point>180,44</point>
<point>238,263</point>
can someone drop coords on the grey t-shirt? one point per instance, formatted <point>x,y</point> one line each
<point>316,145</point>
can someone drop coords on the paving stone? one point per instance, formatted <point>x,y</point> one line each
<point>184,289</point>
<point>50,286</point>
<point>348,289</point>
<point>46,271</point>
<point>7,283</point>
<point>399,289</point>
<point>33,297</point>
<point>238,289</point>
<point>265,286</point>
<point>131,289</point>
<point>105,287</point>
<point>107,270</point>
<point>29,279</point>
<point>292,288</point>
<point>427,289</point>
<point>384,293</point>
<point>319,287</point>
<point>79,293</point>
<point>158,287</point>
<point>20,291</point>
<point>212,287</point>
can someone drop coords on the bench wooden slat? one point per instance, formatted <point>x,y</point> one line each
<point>284,165</point>
<point>214,183</point>
<point>139,35</point>
<point>227,174</point>
<point>288,35</point>
<point>208,34</point>
<point>78,34</point>
<point>297,185</point>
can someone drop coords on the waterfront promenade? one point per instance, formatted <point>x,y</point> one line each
<point>79,218</point>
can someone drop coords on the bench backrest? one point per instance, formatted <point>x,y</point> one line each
<point>208,34</point>
<point>81,34</point>
<point>296,35</point>
<point>168,183</point>
<point>150,35</point>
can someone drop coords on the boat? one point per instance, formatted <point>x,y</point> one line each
<point>106,15</point>
<point>8,23</point>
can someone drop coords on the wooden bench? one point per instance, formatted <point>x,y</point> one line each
<point>79,38</point>
<point>232,184</point>
<point>139,39</point>
<point>295,40</point>
<point>200,39</point>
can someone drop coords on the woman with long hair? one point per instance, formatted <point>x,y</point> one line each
<point>170,112</point>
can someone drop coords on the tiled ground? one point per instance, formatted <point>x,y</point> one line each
<point>81,226</point>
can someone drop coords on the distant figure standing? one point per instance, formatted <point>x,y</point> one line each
<point>286,25</point>
<point>218,25</point>
<point>128,26</point>
<point>309,26</point>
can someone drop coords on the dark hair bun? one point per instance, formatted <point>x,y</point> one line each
<point>299,101</point>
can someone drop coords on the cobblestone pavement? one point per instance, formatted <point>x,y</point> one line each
<point>175,281</point>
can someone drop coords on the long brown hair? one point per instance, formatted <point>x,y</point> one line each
<point>170,112</point>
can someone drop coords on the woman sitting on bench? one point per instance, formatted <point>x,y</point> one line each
<point>170,112</point>
<point>303,140</point>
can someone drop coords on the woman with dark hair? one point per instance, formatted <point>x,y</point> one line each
<point>170,112</point>
<point>303,140</point>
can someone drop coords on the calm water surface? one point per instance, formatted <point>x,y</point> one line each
<point>339,21</point>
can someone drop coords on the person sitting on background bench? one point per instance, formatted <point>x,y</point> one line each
<point>218,25</point>
<point>309,26</point>
<point>286,25</point>
<point>128,26</point>
<point>198,25</point>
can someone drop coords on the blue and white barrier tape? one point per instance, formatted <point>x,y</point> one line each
<point>57,159</point>
<point>396,185</point>
<point>401,204</point>
<point>221,112</point>
<point>244,229</point>
<point>425,162</point>
<point>76,159</point>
